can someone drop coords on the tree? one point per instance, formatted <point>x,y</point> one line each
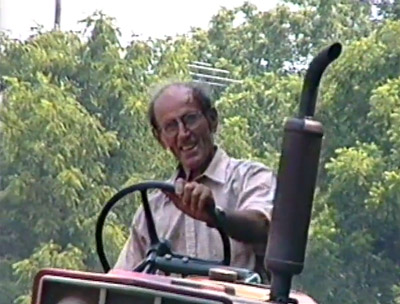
<point>73,130</point>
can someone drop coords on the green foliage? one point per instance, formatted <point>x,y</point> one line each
<point>389,9</point>
<point>350,232</point>
<point>74,130</point>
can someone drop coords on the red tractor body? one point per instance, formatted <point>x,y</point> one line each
<point>57,286</point>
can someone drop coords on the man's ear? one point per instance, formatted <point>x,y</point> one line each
<point>157,135</point>
<point>213,119</point>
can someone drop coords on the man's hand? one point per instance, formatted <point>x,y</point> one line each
<point>197,201</point>
<point>193,199</point>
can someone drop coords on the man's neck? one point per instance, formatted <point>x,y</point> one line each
<point>191,175</point>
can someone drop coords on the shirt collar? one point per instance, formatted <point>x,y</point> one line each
<point>216,170</point>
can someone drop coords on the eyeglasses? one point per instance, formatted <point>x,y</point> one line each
<point>189,121</point>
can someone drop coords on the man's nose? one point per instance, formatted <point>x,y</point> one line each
<point>183,131</point>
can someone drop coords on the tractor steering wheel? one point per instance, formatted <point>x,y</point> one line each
<point>160,255</point>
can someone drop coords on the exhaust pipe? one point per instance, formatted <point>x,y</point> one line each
<point>313,77</point>
<point>297,174</point>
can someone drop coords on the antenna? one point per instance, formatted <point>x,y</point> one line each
<point>203,72</point>
<point>2,15</point>
<point>57,15</point>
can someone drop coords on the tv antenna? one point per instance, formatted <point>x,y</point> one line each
<point>203,72</point>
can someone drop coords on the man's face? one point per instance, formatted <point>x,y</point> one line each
<point>184,129</point>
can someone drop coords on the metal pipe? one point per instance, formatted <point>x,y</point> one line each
<point>313,76</point>
<point>57,15</point>
<point>297,176</point>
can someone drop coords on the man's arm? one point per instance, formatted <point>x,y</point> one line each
<point>248,226</point>
<point>250,221</point>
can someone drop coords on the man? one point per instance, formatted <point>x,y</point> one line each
<point>184,122</point>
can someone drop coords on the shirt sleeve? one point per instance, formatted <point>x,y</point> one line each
<point>135,247</point>
<point>257,190</point>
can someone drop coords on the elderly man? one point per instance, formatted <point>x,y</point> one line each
<point>184,122</point>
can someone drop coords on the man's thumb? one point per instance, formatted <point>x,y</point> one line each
<point>179,185</point>
<point>172,196</point>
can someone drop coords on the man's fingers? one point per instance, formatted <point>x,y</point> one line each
<point>194,202</point>
<point>187,193</point>
<point>205,206</point>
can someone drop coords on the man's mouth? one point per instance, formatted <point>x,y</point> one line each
<point>188,147</point>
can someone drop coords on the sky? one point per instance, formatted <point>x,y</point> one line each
<point>155,18</point>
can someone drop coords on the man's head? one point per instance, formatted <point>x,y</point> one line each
<point>184,121</point>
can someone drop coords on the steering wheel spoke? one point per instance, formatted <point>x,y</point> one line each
<point>151,227</point>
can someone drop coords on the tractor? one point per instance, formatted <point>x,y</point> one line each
<point>165,276</point>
